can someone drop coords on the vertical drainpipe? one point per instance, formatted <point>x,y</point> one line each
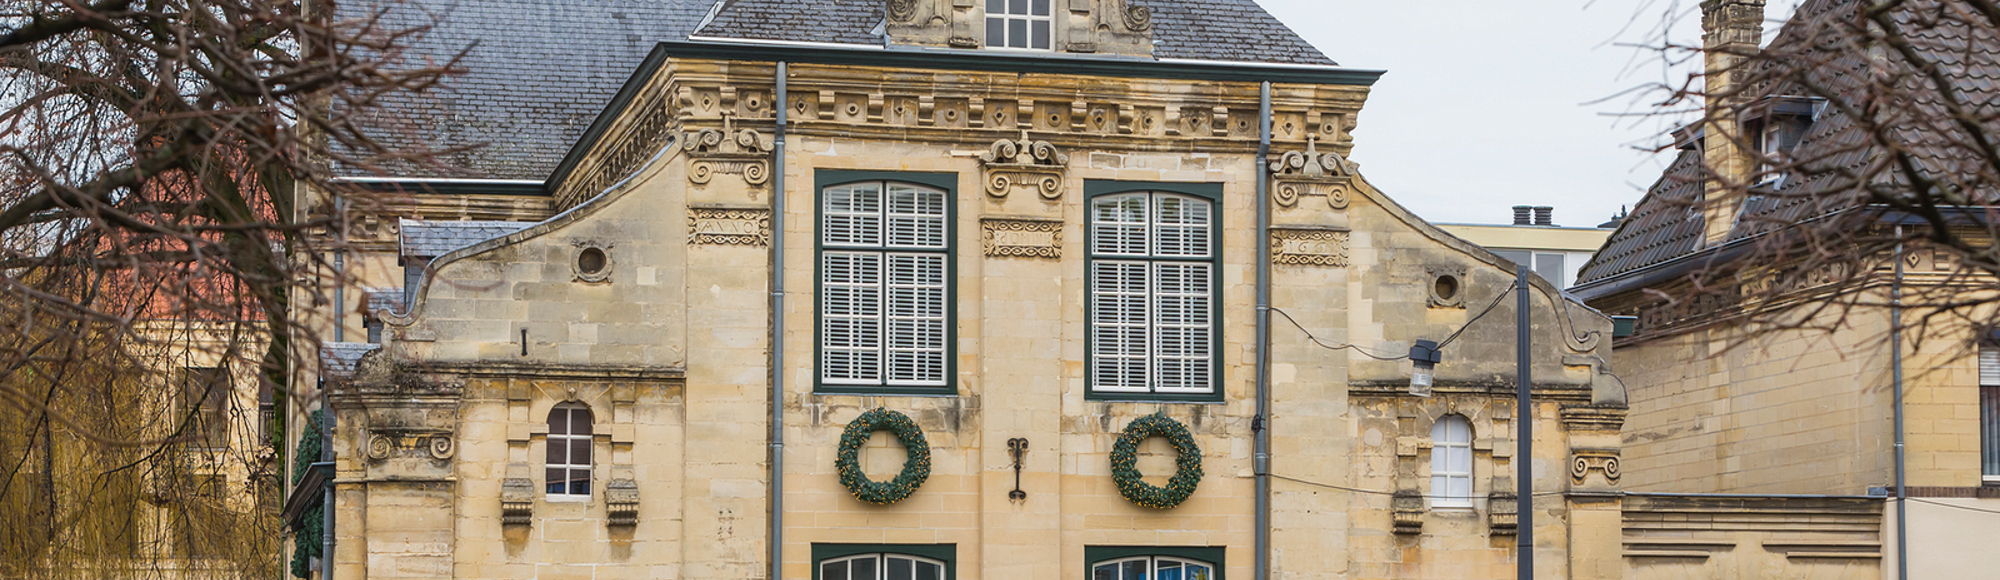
<point>777,459</point>
<point>1896,362</point>
<point>1261,425</point>
<point>326,507</point>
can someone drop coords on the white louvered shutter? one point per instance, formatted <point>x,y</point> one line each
<point>852,215</point>
<point>1182,332</point>
<point>1118,225</point>
<point>1181,227</point>
<point>851,317</point>
<point>1989,366</point>
<point>1118,325</point>
<point>914,319</point>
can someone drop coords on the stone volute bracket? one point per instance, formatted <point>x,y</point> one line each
<point>621,502</point>
<point>1408,510</point>
<point>1502,513</point>
<point>727,150</point>
<point>517,501</point>
<point>1008,163</point>
<point>1310,173</point>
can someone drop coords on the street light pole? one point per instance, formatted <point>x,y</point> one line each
<point>1524,438</point>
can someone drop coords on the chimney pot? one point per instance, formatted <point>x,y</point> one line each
<point>1521,214</point>
<point>1545,215</point>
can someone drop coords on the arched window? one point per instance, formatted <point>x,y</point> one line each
<point>1152,568</point>
<point>569,450</point>
<point>881,567</point>
<point>1451,462</point>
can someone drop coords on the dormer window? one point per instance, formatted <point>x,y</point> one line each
<point>1777,127</point>
<point>1021,24</point>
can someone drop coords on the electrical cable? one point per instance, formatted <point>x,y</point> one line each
<point>1475,318</point>
<point>1939,503</point>
<point>1387,493</point>
<point>1322,344</point>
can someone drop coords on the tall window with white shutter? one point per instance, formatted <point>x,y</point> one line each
<point>884,288</point>
<point>1989,413</point>
<point>1451,462</point>
<point>1153,296</point>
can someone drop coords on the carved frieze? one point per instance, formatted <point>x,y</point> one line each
<point>646,137</point>
<point>1010,163</point>
<point>729,226</point>
<point>1309,246</point>
<point>1309,173</point>
<point>1023,237</point>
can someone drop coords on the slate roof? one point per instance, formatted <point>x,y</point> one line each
<point>430,239</point>
<point>538,72</point>
<point>1228,30</point>
<point>1834,151</point>
<point>384,300</point>
<point>338,360</point>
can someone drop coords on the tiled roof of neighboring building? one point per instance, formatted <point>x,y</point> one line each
<point>430,239</point>
<point>338,360</point>
<point>1229,30</point>
<point>537,74</point>
<point>384,300</point>
<point>1833,153</point>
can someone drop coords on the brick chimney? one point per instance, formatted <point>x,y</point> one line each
<point>1730,30</point>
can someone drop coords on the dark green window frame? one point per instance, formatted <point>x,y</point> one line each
<point>1094,555</point>
<point>947,553</point>
<point>1212,192</point>
<point>948,182</point>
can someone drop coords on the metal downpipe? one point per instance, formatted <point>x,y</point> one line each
<point>1261,424</point>
<point>1896,362</point>
<point>776,538</point>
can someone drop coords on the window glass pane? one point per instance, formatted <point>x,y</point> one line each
<point>1989,429</point>
<point>1134,569</point>
<point>1119,225</point>
<point>559,421</point>
<point>853,215</point>
<point>558,451</point>
<point>929,571</point>
<point>996,30</point>
<point>579,451</point>
<point>1017,6</point>
<point>579,482</point>
<point>1017,33</point>
<point>1182,228</point>
<point>1104,572</point>
<point>557,480</point>
<point>1040,35</point>
<point>1550,266</point>
<point>915,218</point>
<point>1199,572</point>
<point>862,568</point>
<point>835,570</point>
<point>996,6</point>
<point>1041,7</point>
<point>1168,571</point>
<point>579,421</point>
<point>900,569</point>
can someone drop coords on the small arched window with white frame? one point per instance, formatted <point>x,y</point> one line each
<point>568,459</point>
<point>1451,462</point>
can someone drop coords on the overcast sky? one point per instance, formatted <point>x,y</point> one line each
<point>1487,105</point>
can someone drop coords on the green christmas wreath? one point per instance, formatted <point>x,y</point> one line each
<point>916,469</point>
<point>1125,468</point>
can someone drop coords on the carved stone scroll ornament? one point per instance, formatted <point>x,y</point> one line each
<point>1310,173</point>
<point>384,445</point>
<point>1009,163</point>
<point>1584,461</point>
<point>902,10</point>
<point>1137,18</point>
<point>1298,246</point>
<point>727,151</point>
<point>729,226</point>
<point>1022,237</point>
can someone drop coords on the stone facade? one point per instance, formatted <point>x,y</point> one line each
<point>443,434</point>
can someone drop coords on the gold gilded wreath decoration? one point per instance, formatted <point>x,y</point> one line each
<point>1187,465</point>
<point>916,469</point>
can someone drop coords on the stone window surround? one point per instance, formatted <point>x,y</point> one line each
<point>1210,191</point>
<point>946,553</point>
<point>946,181</point>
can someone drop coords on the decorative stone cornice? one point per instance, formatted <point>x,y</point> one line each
<point>1022,237</point>
<point>1310,173</point>
<point>1021,162</point>
<point>1309,246</point>
<point>1605,419</point>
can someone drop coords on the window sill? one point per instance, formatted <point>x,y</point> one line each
<point>872,391</point>
<point>1466,508</point>
<point>566,498</point>
<point>1118,397</point>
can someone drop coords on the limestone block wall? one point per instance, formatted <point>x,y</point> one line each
<point>1742,538</point>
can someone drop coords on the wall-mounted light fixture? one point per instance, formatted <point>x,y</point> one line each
<point>1425,355</point>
